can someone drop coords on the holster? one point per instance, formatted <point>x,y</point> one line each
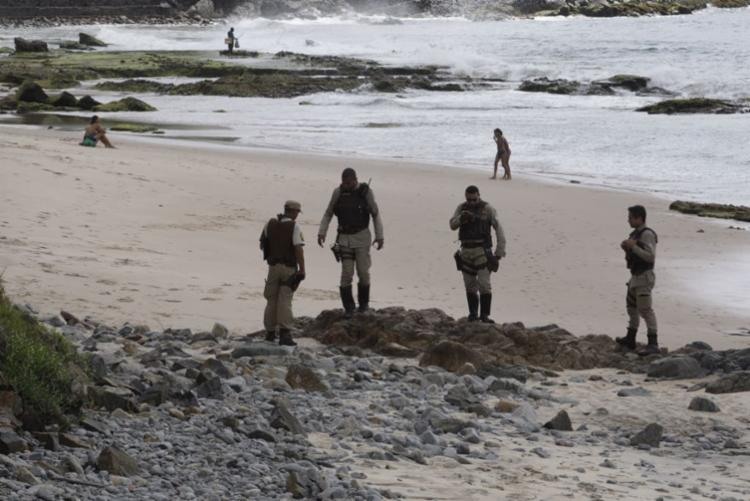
<point>294,281</point>
<point>493,262</point>
<point>459,261</point>
<point>336,249</point>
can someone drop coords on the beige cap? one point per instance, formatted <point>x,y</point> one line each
<point>293,205</point>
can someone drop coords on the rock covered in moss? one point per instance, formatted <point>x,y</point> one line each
<point>721,211</point>
<point>88,103</point>
<point>65,99</point>
<point>126,104</point>
<point>91,41</point>
<point>23,45</point>
<point>31,92</point>
<point>694,105</point>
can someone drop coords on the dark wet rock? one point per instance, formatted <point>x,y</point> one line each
<point>721,211</point>
<point>259,349</point>
<point>703,404</point>
<point>451,356</point>
<point>675,368</point>
<point>73,45</point>
<point>210,388</point>
<point>560,422</point>
<point>261,435</point>
<point>91,424</point>
<point>699,345</point>
<point>32,92</point>
<point>218,368</point>
<point>125,104</point>
<point>69,440</point>
<point>91,41</point>
<point>695,105</point>
<point>117,462</point>
<point>48,440</point>
<point>632,83</point>
<point>23,45</point>
<point>113,398</point>
<point>282,418</point>
<point>634,392</point>
<point>500,371</point>
<point>10,442</point>
<point>301,377</point>
<point>135,85</point>
<point>88,103</point>
<point>65,99</point>
<point>731,383</point>
<point>651,435</point>
<point>557,86</point>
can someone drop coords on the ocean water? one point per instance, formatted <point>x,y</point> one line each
<point>592,139</point>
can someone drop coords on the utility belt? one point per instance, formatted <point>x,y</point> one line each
<point>342,253</point>
<point>472,245</point>
<point>492,261</point>
<point>351,230</point>
<point>272,262</point>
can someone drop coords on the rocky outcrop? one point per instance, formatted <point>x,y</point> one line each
<point>23,45</point>
<point>125,104</point>
<point>721,211</point>
<point>695,105</point>
<point>606,87</point>
<point>90,41</point>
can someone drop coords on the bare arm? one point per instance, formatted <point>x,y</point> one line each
<point>299,253</point>
<point>377,220</point>
<point>455,221</point>
<point>500,249</point>
<point>327,216</point>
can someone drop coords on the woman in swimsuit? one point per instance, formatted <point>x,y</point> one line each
<point>95,132</point>
<point>502,155</point>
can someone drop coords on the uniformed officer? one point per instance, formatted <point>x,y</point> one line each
<point>353,203</point>
<point>282,244</point>
<point>640,255</point>
<point>474,219</point>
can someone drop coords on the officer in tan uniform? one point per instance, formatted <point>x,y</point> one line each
<point>282,244</point>
<point>353,203</point>
<point>474,219</point>
<point>640,255</point>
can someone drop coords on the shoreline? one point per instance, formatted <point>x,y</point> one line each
<point>100,248</point>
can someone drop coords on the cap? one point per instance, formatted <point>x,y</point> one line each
<point>293,205</point>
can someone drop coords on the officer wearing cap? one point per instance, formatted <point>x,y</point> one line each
<point>474,220</point>
<point>282,244</point>
<point>353,203</point>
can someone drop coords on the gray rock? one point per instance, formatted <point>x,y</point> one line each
<point>259,349</point>
<point>542,453</point>
<point>675,368</point>
<point>560,422</point>
<point>211,388</point>
<point>651,435</point>
<point>219,331</point>
<point>86,39</point>
<point>282,418</point>
<point>731,383</point>
<point>525,418</point>
<point>117,462</point>
<point>634,392</point>
<point>703,404</point>
<point>301,377</point>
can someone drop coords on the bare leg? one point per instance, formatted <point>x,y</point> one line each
<point>506,166</point>
<point>105,141</point>
<point>494,173</point>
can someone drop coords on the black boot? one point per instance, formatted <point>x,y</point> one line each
<point>363,297</point>
<point>271,336</point>
<point>347,299</point>
<point>629,340</point>
<point>485,302</point>
<point>473,300</point>
<point>652,348</point>
<point>285,338</point>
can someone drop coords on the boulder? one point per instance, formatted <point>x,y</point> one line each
<point>23,45</point>
<point>560,422</point>
<point>675,368</point>
<point>259,349</point>
<point>31,92</point>
<point>731,383</point>
<point>113,398</point>
<point>117,462</point>
<point>650,435</point>
<point>10,442</point>
<point>90,41</point>
<point>300,377</point>
<point>65,99</point>
<point>451,356</point>
<point>632,83</point>
<point>544,84</point>
<point>703,404</point>
<point>125,104</point>
<point>73,45</point>
<point>282,418</point>
<point>88,103</point>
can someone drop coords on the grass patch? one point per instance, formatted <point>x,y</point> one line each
<point>39,364</point>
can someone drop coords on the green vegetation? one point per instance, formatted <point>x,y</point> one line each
<point>133,127</point>
<point>40,365</point>
<point>692,105</point>
<point>721,211</point>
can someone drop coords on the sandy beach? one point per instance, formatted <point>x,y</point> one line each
<point>168,234</point>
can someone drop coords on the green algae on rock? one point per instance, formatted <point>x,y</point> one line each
<point>694,105</point>
<point>125,104</point>
<point>721,211</point>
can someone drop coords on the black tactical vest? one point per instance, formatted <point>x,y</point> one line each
<point>636,265</point>
<point>352,210</point>
<point>478,230</point>
<point>279,242</point>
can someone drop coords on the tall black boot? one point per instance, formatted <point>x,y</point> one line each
<point>485,302</point>
<point>347,299</point>
<point>652,348</point>
<point>285,338</point>
<point>629,340</point>
<point>271,336</point>
<point>473,299</point>
<point>363,297</point>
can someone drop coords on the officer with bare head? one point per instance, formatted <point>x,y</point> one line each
<point>474,220</point>
<point>353,204</point>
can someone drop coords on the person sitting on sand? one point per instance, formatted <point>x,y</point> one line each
<point>94,133</point>
<point>503,154</point>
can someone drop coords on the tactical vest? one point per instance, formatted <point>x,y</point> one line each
<point>636,264</point>
<point>280,244</point>
<point>352,210</point>
<point>477,231</point>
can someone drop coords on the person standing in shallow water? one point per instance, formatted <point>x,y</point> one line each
<point>640,255</point>
<point>502,155</point>
<point>230,40</point>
